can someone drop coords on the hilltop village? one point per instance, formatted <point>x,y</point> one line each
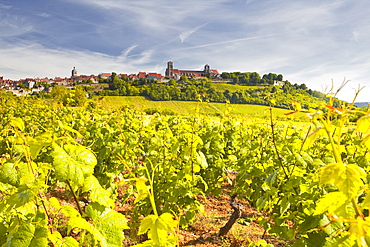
<point>26,86</point>
<point>206,85</point>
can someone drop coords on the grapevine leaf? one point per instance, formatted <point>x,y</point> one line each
<point>22,237</point>
<point>363,124</point>
<point>67,128</point>
<point>109,222</point>
<point>201,159</point>
<point>11,173</point>
<point>334,203</point>
<point>55,203</point>
<point>40,237</point>
<point>168,222</point>
<point>271,179</point>
<point>142,189</point>
<point>347,178</point>
<point>36,144</point>
<point>73,163</point>
<point>284,205</point>
<point>97,193</point>
<point>70,242</point>
<point>158,227</point>
<point>79,222</point>
<point>18,123</point>
<point>312,137</point>
<point>300,159</point>
<point>23,196</point>
<point>57,239</point>
<point>146,224</point>
<point>307,158</point>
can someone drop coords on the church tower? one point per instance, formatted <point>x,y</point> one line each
<point>207,69</point>
<point>74,72</point>
<point>169,70</point>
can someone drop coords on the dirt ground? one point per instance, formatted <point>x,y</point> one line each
<point>204,231</point>
<point>217,211</point>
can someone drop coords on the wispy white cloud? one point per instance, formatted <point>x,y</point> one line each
<point>222,42</point>
<point>46,15</point>
<point>12,25</point>
<point>307,41</point>
<point>5,6</point>
<point>184,35</point>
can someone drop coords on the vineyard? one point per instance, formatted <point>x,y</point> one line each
<point>66,172</point>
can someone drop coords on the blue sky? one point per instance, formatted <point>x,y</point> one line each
<point>313,42</point>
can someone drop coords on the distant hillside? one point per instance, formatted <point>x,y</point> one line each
<point>190,107</point>
<point>362,104</point>
<point>205,90</point>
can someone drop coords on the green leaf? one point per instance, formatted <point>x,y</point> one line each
<point>11,173</point>
<point>313,136</point>
<point>347,178</point>
<point>58,241</point>
<point>18,123</point>
<point>37,143</point>
<point>73,163</point>
<point>40,237</point>
<point>23,196</point>
<point>21,237</point>
<point>142,189</point>
<point>67,128</point>
<point>70,242</point>
<point>55,203</point>
<point>363,124</point>
<point>158,228</point>
<point>147,223</point>
<point>201,160</point>
<point>97,192</point>
<point>300,159</point>
<point>271,179</point>
<point>335,203</point>
<point>109,222</point>
<point>284,205</point>
<point>79,222</point>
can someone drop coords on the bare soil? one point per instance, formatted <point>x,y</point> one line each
<point>204,231</point>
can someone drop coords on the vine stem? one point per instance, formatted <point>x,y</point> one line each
<point>75,197</point>
<point>151,192</point>
<point>305,139</point>
<point>275,146</point>
<point>357,209</point>
<point>50,219</point>
<point>336,151</point>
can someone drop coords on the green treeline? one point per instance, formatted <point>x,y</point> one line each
<point>251,78</point>
<point>186,89</point>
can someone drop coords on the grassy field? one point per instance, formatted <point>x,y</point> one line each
<point>191,107</point>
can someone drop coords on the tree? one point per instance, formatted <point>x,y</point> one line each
<point>59,93</point>
<point>79,96</point>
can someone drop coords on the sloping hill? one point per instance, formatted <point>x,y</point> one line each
<point>191,107</point>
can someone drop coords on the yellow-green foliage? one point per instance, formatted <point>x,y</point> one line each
<point>204,108</point>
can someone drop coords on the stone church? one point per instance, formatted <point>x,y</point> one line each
<point>177,73</point>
